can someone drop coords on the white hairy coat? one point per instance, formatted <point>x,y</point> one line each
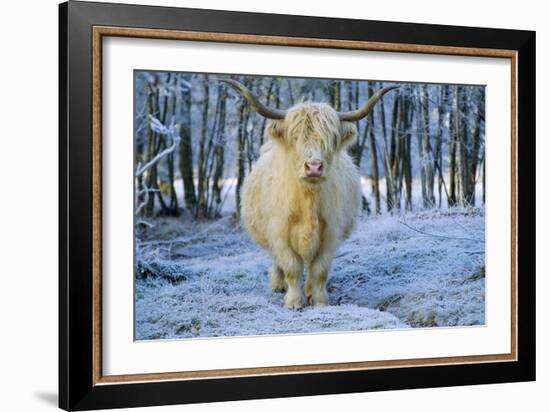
<point>302,220</point>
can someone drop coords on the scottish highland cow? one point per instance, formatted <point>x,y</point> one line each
<point>303,195</point>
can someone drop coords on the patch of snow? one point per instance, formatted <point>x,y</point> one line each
<point>209,279</point>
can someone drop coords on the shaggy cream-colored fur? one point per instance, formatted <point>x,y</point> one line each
<point>301,220</point>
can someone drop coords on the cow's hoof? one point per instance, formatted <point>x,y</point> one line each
<point>294,299</point>
<point>278,285</point>
<point>319,299</point>
<point>277,280</point>
<point>308,290</point>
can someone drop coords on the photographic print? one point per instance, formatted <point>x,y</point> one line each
<point>235,206</point>
<point>277,205</point>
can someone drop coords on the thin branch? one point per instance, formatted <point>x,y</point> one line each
<point>187,240</point>
<point>144,223</point>
<point>439,236</point>
<point>140,207</point>
<point>468,230</point>
<point>159,156</point>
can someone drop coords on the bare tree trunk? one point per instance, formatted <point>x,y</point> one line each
<point>421,158</point>
<point>141,158</point>
<point>161,145</point>
<point>202,184</point>
<point>428,150</point>
<point>438,155</point>
<point>461,150</point>
<point>241,139</point>
<point>152,150</point>
<point>387,161</point>
<point>395,150</point>
<point>219,156</point>
<point>425,149</point>
<point>186,152</point>
<point>474,154</point>
<point>374,157</point>
<point>173,209</point>
<point>400,135</point>
<point>335,99</point>
<point>452,150</point>
<point>252,129</point>
<point>210,158</point>
<point>270,93</point>
<point>407,162</point>
<point>149,178</point>
<point>290,93</point>
<point>356,150</point>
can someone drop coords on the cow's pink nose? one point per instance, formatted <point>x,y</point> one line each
<point>314,168</point>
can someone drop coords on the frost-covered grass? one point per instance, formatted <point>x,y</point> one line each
<point>206,279</point>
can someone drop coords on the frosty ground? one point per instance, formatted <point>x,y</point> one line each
<point>206,279</point>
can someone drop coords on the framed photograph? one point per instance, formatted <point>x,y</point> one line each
<point>256,206</point>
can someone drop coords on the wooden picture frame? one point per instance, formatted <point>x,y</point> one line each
<point>82,385</point>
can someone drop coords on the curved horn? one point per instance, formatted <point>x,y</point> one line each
<point>358,114</point>
<point>265,111</point>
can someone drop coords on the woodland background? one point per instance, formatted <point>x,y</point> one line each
<point>415,260</point>
<point>196,137</point>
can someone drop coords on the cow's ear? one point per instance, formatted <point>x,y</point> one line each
<point>276,130</point>
<point>349,132</point>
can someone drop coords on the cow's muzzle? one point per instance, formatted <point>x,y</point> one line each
<point>313,168</point>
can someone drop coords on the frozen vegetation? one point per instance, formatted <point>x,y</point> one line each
<point>207,278</point>
<point>198,274</point>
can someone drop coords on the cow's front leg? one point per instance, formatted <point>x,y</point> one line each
<point>316,281</point>
<point>294,298</point>
<point>290,262</point>
<point>277,278</point>
<point>292,266</point>
<point>308,286</point>
<point>316,290</point>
